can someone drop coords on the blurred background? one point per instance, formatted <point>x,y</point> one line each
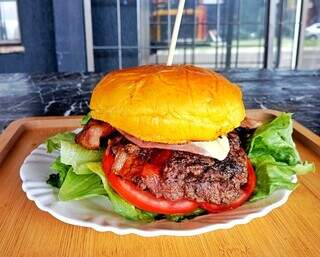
<point>104,35</point>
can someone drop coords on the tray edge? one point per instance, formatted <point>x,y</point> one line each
<point>15,129</point>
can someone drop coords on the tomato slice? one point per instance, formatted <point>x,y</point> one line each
<point>142,199</point>
<point>148,202</point>
<point>247,191</point>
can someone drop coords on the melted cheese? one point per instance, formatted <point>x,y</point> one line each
<point>217,149</point>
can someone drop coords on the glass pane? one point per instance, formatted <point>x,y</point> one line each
<point>284,33</point>
<point>311,44</point>
<point>213,33</point>
<point>9,22</point>
<point>108,52</point>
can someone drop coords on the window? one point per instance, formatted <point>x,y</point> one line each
<point>310,58</point>
<point>213,33</point>
<point>9,23</point>
<point>283,47</point>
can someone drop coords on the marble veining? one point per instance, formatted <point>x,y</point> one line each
<point>24,95</point>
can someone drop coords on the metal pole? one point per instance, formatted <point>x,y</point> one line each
<point>238,33</point>
<point>169,23</point>
<point>143,32</point>
<point>218,34</point>
<point>119,34</point>
<point>269,36</point>
<point>298,37</point>
<point>231,9</point>
<point>279,33</point>
<point>194,31</point>
<point>138,32</point>
<point>88,34</point>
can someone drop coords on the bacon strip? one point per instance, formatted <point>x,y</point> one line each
<point>92,132</point>
<point>250,123</point>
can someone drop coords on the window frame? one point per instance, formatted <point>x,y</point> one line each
<point>10,43</point>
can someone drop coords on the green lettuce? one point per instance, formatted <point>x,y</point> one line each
<point>54,143</point>
<point>61,169</point>
<point>79,175</point>
<point>76,187</point>
<point>275,158</point>
<point>179,218</point>
<point>72,153</point>
<point>119,205</point>
<point>86,118</point>
<point>77,156</point>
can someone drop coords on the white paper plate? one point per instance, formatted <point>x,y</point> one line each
<point>96,212</point>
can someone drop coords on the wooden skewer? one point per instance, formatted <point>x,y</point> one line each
<point>175,33</point>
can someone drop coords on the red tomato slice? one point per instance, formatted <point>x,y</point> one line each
<point>247,191</point>
<point>142,199</point>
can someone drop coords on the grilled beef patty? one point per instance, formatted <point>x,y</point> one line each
<point>192,176</point>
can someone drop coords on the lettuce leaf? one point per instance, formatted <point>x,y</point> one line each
<point>80,176</point>
<point>77,156</point>
<point>86,118</point>
<point>119,205</point>
<point>275,138</point>
<point>56,179</point>
<point>271,175</point>
<point>72,153</point>
<point>76,187</point>
<point>304,168</point>
<point>54,143</point>
<point>273,154</point>
<point>179,218</point>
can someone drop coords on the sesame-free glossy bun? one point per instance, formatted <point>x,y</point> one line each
<point>168,104</point>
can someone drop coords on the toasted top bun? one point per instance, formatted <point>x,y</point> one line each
<point>168,104</point>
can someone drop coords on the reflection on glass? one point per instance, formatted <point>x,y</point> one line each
<point>284,33</point>
<point>213,33</point>
<point>311,45</point>
<point>9,23</point>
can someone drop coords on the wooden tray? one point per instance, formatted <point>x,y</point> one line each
<point>292,230</point>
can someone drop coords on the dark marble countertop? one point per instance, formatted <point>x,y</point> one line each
<point>24,95</point>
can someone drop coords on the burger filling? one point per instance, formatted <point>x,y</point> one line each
<point>181,175</point>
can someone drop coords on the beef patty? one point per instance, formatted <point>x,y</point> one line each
<point>191,176</point>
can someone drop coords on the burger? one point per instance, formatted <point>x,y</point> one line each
<point>172,144</point>
<point>168,140</point>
